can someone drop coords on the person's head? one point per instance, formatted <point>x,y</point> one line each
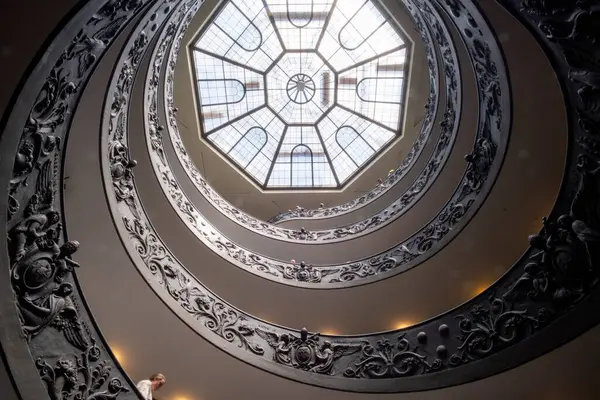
<point>157,381</point>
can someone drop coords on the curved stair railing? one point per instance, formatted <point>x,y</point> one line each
<point>50,332</point>
<point>455,346</point>
<point>380,219</point>
<point>406,254</point>
<point>390,213</point>
<point>548,297</point>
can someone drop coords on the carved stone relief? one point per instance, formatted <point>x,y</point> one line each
<point>411,251</point>
<point>306,352</point>
<point>82,376</point>
<point>557,273</point>
<point>69,353</point>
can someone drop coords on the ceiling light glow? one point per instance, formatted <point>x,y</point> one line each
<point>480,289</point>
<point>118,353</point>
<point>403,324</point>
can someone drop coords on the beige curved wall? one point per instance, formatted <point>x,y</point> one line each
<point>148,337</point>
<point>473,260</point>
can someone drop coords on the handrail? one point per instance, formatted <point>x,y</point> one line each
<point>537,305</point>
<point>458,346</point>
<point>378,220</point>
<point>503,318</point>
<point>406,254</point>
<point>65,344</point>
<point>372,223</point>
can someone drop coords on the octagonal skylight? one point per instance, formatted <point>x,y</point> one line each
<point>300,93</point>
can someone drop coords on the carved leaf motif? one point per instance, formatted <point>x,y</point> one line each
<point>307,351</point>
<point>40,268</point>
<point>387,360</point>
<point>74,378</point>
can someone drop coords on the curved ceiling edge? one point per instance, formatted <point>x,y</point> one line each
<point>65,347</point>
<point>565,256</point>
<point>529,304</point>
<point>357,229</point>
<point>484,163</point>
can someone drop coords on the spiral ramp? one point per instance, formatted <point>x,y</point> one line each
<point>459,261</point>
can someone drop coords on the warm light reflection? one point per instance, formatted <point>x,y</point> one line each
<point>329,332</point>
<point>480,289</point>
<point>403,324</point>
<point>118,355</point>
<point>181,398</point>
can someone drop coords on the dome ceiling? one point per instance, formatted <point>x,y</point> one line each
<point>296,95</point>
<point>133,262</point>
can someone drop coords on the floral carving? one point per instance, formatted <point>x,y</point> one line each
<point>76,377</point>
<point>121,166</point>
<point>40,266</point>
<point>41,269</point>
<point>39,217</point>
<point>480,161</point>
<point>393,259</point>
<point>561,269</point>
<point>216,315</point>
<point>304,273</point>
<point>391,360</point>
<point>39,140</point>
<point>488,329</point>
<point>384,217</point>
<point>307,352</point>
<point>44,298</point>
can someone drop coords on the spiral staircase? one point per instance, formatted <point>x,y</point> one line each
<point>459,260</point>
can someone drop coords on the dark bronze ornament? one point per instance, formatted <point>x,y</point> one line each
<point>391,360</point>
<point>348,274</point>
<point>80,377</point>
<point>389,214</point>
<point>557,273</point>
<point>54,319</point>
<point>215,315</point>
<point>303,273</point>
<point>306,352</point>
<point>44,298</point>
<point>122,177</point>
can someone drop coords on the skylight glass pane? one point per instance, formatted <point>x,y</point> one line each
<point>357,31</point>
<point>249,146</point>
<point>300,87</point>
<point>259,167</point>
<point>300,93</point>
<point>225,138</point>
<point>299,22</point>
<point>375,89</point>
<point>351,140</point>
<point>225,91</point>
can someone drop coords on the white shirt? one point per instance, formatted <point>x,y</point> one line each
<point>145,388</point>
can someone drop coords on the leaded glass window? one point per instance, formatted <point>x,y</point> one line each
<point>301,93</point>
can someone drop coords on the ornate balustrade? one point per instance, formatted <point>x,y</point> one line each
<point>549,296</point>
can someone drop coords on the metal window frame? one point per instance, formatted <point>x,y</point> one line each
<point>264,185</point>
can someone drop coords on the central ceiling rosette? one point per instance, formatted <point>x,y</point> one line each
<point>301,94</point>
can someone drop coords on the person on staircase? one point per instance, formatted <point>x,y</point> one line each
<point>147,387</point>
